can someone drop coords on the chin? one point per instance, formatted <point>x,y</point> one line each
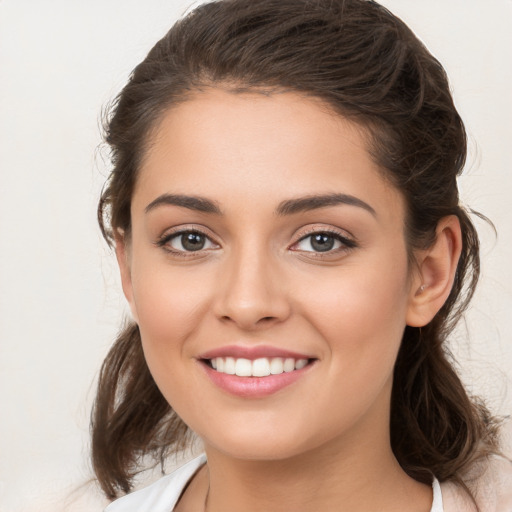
<point>262,451</point>
<point>276,443</point>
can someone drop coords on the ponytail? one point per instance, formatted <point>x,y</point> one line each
<point>130,417</point>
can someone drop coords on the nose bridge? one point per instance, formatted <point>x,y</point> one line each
<point>252,293</point>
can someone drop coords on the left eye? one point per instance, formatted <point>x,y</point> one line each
<point>319,242</point>
<point>189,241</point>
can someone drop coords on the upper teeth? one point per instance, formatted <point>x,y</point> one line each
<point>257,368</point>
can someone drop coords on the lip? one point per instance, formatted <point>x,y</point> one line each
<point>252,352</point>
<point>253,387</point>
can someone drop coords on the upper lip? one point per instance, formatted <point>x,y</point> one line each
<point>252,352</point>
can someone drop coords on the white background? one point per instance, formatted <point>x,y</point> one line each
<point>60,302</point>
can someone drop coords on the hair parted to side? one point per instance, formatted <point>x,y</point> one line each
<point>368,66</point>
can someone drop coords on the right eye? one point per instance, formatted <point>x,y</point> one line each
<point>187,241</point>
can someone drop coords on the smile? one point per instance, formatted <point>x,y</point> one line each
<point>255,371</point>
<point>261,367</point>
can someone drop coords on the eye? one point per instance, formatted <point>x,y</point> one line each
<point>321,242</point>
<point>187,241</point>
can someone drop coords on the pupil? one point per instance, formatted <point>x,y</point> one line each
<point>193,241</point>
<point>322,242</point>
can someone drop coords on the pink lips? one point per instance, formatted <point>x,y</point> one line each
<point>253,387</point>
<point>252,353</point>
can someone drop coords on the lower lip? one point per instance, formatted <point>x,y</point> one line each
<point>254,387</point>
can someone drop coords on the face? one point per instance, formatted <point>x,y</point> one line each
<point>268,272</point>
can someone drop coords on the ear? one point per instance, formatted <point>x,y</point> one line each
<point>123,260</point>
<point>433,281</point>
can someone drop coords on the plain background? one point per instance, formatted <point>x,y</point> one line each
<point>61,61</point>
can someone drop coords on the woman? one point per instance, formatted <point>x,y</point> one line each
<point>286,220</point>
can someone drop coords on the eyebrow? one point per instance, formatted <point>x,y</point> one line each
<point>288,207</point>
<point>200,204</point>
<point>314,202</point>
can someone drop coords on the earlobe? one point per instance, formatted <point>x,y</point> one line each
<point>437,265</point>
<point>123,260</point>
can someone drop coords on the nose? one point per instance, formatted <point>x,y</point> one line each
<point>252,294</point>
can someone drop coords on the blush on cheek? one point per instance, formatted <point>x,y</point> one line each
<point>365,316</point>
<point>166,300</point>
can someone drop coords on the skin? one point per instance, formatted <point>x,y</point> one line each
<point>321,443</point>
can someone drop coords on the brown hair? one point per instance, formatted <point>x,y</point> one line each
<point>368,66</point>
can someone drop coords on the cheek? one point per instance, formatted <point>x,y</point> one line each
<point>361,313</point>
<point>169,307</point>
<point>169,303</point>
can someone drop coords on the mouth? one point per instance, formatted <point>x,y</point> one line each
<point>261,367</point>
<point>255,372</point>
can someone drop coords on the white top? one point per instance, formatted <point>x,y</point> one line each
<point>163,495</point>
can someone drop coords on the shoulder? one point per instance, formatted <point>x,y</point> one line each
<point>160,496</point>
<point>491,485</point>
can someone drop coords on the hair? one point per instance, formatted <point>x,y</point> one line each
<point>366,65</point>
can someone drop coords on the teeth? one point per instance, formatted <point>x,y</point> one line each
<point>243,367</point>
<point>276,366</point>
<point>229,366</point>
<point>260,367</point>
<point>257,368</point>
<point>289,365</point>
<point>301,363</point>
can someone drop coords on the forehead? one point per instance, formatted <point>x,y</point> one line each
<point>260,148</point>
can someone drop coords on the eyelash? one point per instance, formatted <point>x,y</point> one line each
<point>346,243</point>
<point>164,240</point>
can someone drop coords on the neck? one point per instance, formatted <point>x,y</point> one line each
<point>351,478</point>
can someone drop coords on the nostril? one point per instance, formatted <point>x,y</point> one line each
<point>264,319</point>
